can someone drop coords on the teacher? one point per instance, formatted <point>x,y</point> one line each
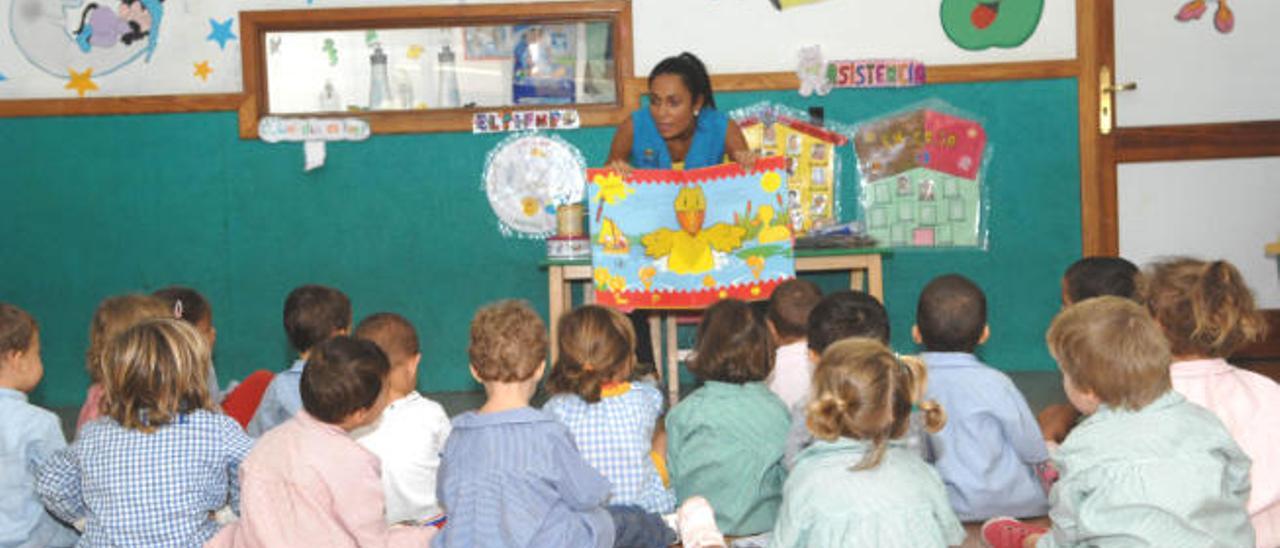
<point>681,129</point>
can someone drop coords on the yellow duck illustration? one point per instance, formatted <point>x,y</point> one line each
<point>770,234</point>
<point>689,250</point>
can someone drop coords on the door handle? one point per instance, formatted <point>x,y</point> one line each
<point>1106,98</point>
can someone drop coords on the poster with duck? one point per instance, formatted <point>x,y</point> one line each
<point>686,239</point>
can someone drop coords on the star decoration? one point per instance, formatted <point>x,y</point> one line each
<point>82,82</point>
<point>220,32</point>
<point>203,70</point>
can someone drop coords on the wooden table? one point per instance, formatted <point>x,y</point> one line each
<point>866,273</point>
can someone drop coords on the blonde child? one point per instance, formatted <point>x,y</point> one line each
<point>307,483</point>
<point>725,441</point>
<point>158,465</point>
<point>28,435</point>
<point>990,454</point>
<point>511,475</point>
<point>411,432</point>
<point>113,316</point>
<point>312,314</point>
<point>1147,467</point>
<point>859,484</point>
<point>613,421</point>
<point>788,321</point>
<point>1207,313</point>
<point>190,306</point>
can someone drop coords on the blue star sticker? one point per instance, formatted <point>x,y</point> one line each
<point>221,32</point>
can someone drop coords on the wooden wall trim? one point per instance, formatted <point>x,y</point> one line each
<point>1199,141</point>
<point>937,74</point>
<point>138,104</point>
<point>1094,49</point>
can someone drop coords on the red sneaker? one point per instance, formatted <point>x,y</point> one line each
<point>1005,532</point>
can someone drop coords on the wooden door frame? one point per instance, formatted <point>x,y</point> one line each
<point>1099,154</point>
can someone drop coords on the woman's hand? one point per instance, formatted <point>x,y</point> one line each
<point>746,158</point>
<point>621,167</point>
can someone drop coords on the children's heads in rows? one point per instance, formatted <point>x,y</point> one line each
<point>313,313</point>
<point>20,364</point>
<point>397,338</point>
<point>345,382</point>
<point>597,345</point>
<point>1111,353</point>
<point>862,390</point>
<point>733,345</point>
<point>951,315</point>
<point>845,314</point>
<point>508,344</point>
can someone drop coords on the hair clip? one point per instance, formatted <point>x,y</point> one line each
<point>177,309</point>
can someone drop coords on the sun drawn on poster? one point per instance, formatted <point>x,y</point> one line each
<point>58,35</point>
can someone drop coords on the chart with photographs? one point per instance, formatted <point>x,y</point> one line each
<point>922,179</point>
<point>809,153</point>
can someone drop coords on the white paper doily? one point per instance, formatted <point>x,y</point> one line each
<point>527,176</point>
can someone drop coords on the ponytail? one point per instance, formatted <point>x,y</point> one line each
<point>1206,309</point>
<point>597,345</point>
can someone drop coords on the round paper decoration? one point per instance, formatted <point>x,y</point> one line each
<point>527,176</point>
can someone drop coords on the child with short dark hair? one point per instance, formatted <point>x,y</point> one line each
<point>1098,276</point>
<point>190,306</point>
<point>858,485</point>
<point>113,316</point>
<point>411,432</point>
<point>1207,312</point>
<point>612,420</point>
<point>28,435</point>
<point>989,455</point>
<point>788,321</point>
<point>511,475</point>
<point>725,441</point>
<point>1148,467</point>
<point>307,483</point>
<point>312,314</point>
<point>162,460</point>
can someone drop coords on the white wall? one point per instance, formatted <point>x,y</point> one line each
<point>1218,209</point>
<point>730,36</point>
<point>1189,73</point>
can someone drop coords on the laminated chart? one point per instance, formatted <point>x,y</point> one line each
<point>921,179</point>
<point>686,239</point>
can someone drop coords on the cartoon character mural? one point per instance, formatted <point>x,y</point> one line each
<point>62,36</point>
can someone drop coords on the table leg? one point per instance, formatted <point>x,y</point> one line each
<point>672,356</point>
<point>875,277</point>
<point>556,288</point>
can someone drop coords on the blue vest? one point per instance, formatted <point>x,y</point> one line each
<point>649,149</point>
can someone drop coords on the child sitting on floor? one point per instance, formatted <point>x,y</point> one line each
<point>307,483</point>
<point>725,441</point>
<point>989,454</point>
<point>511,475</point>
<point>411,432</point>
<point>858,484</point>
<point>162,460</point>
<point>113,316</point>
<point>312,313</point>
<point>613,421</point>
<point>1147,467</point>
<point>1207,313</point>
<point>28,434</point>
<point>788,321</point>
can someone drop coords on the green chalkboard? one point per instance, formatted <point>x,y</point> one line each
<point>96,206</point>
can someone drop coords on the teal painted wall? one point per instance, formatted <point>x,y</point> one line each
<point>96,206</point>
